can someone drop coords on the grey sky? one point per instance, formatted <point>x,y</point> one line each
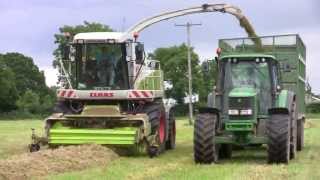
<point>28,26</point>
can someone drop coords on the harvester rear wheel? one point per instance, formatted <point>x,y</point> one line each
<point>300,134</point>
<point>171,142</point>
<point>157,119</point>
<point>205,150</point>
<point>278,131</point>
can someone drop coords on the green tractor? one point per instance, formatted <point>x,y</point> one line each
<point>258,99</point>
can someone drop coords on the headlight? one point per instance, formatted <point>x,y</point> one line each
<point>246,112</point>
<point>233,112</point>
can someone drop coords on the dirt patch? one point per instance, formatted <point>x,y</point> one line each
<point>63,159</point>
<point>309,124</point>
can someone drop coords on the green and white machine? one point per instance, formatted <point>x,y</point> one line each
<point>258,99</point>
<point>111,94</point>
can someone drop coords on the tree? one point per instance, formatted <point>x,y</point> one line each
<point>27,74</point>
<point>8,91</point>
<point>61,40</point>
<point>29,102</point>
<point>19,74</point>
<point>174,63</point>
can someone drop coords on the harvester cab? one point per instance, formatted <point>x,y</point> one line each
<point>258,99</point>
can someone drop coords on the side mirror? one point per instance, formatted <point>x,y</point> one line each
<point>65,52</point>
<point>139,50</point>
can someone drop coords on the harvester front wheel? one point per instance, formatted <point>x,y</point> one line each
<point>157,119</point>
<point>205,150</point>
<point>171,142</point>
<point>278,128</point>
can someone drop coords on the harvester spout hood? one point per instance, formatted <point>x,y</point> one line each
<point>243,92</point>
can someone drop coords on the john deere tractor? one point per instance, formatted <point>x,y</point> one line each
<point>112,95</point>
<point>258,99</point>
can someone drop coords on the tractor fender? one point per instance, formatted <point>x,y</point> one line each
<point>283,103</point>
<point>211,110</point>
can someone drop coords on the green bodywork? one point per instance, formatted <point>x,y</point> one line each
<point>287,53</point>
<point>120,129</point>
<point>154,81</point>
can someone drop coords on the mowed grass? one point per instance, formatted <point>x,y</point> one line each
<point>15,135</point>
<point>178,163</point>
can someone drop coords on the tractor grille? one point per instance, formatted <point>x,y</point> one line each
<point>240,103</point>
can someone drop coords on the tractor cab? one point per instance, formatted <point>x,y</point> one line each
<point>249,84</point>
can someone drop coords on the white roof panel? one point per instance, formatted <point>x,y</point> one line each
<point>99,36</point>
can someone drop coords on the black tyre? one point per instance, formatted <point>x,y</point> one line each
<point>278,131</point>
<point>300,134</point>
<point>34,147</point>
<point>293,131</point>
<point>205,150</point>
<point>171,142</point>
<point>225,151</point>
<point>157,119</point>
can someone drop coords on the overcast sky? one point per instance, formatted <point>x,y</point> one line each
<point>28,26</point>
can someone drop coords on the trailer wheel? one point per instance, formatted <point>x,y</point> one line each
<point>205,150</point>
<point>171,142</point>
<point>300,134</point>
<point>225,151</point>
<point>278,132</point>
<point>293,132</point>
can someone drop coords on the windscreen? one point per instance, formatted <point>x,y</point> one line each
<point>102,67</point>
<point>249,74</point>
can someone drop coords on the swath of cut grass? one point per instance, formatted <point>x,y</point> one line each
<point>51,161</point>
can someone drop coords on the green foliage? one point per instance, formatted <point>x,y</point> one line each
<point>313,108</point>
<point>8,91</point>
<point>22,86</point>
<point>29,102</point>
<point>174,63</point>
<point>61,40</point>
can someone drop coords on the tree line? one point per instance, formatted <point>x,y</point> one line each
<point>23,89</point>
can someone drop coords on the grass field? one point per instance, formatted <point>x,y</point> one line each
<point>178,163</point>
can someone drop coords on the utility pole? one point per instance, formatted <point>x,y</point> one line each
<point>188,26</point>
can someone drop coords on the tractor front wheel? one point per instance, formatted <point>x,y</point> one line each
<point>278,131</point>
<point>171,142</point>
<point>205,150</point>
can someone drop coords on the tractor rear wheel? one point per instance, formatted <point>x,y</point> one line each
<point>300,134</point>
<point>171,142</point>
<point>278,132</point>
<point>205,150</point>
<point>157,119</point>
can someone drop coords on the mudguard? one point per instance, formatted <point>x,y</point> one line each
<point>283,103</point>
<point>209,110</point>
